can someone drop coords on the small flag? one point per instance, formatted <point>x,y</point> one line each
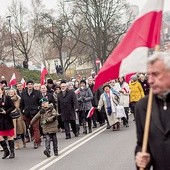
<point>23,83</point>
<point>77,91</point>
<point>91,112</point>
<point>13,80</point>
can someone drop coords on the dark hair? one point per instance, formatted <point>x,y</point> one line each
<point>49,81</point>
<point>57,87</point>
<point>106,85</point>
<point>63,81</point>
<point>83,81</point>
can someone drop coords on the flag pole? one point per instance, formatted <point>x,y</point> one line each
<point>148,118</point>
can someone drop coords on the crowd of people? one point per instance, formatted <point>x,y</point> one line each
<point>47,109</point>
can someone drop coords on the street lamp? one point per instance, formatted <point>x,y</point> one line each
<point>12,45</point>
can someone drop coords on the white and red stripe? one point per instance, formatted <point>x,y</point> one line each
<point>131,54</point>
<point>13,80</point>
<point>91,112</point>
<point>23,82</point>
<point>44,72</point>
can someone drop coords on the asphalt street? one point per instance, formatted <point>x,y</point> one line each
<point>101,150</point>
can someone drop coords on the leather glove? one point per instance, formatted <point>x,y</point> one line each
<point>42,111</point>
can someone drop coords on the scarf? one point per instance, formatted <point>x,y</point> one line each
<point>109,105</point>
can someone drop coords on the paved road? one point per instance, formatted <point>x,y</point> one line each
<point>101,150</point>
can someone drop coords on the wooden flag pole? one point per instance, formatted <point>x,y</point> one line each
<point>148,118</point>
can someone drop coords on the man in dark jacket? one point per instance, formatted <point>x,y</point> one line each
<point>67,105</point>
<point>159,134</point>
<point>30,103</point>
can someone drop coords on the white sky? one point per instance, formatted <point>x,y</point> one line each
<point>53,3</point>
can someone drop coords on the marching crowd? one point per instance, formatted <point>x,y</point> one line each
<point>43,110</point>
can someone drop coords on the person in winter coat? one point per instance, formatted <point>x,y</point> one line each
<point>85,97</point>
<point>19,124</point>
<point>124,98</point>
<point>6,124</point>
<point>136,93</point>
<point>109,100</point>
<point>30,103</point>
<point>67,105</point>
<point>48,120</point>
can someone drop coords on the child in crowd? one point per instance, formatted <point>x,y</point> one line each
<point>49,124</point>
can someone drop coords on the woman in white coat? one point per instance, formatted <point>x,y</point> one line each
<point>109,100</point>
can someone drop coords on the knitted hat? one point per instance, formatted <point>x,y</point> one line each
<point>44,99</point>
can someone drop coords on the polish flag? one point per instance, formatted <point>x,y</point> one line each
<point>77,91</point>
<point>13,80</point>
<point>44,72</point>
<point>131,54</point>
<point>23,82</point>
<point>91,112</point>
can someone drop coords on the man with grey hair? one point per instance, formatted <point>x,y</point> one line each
<point>158,152</point>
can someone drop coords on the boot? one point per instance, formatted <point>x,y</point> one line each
<point>17,145</point>
<point>85,129</point>
<point>90,130</point>
<point>47,153</point>
<point>55,152</point>
<point>5,148</point>
<point>11,146</point>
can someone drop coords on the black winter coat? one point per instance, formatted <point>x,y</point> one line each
<point>30,103</point>
<point>159,134</point>
<point>67,105</point>
<point>6,122</point>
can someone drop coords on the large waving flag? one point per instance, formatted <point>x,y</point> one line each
<point>131,54</point>
<point>44,72</point>
<point>13,80</point>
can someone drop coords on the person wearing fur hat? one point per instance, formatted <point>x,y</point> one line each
<point>136,93</point>
<point>109,100</point>
<point>48,120</point>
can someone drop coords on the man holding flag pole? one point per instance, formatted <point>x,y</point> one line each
<point>153,127</point>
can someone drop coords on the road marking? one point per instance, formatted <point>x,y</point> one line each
<point>66,148</point>
<point>71,150</point>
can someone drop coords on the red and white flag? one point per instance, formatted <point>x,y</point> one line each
<point>23,82</point>
<point>44,72</point>
<point>91,112</point>
<point>13,80</point>
<point>131,54</point>
<point>77,91</point>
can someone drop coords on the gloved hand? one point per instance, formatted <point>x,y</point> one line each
<point>43,122</point>
<point>42,111</point>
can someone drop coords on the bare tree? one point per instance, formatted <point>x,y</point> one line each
<point>67,48</point>
<point>102,25</point>
<point>24,28</point>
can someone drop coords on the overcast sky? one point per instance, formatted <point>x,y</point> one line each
<point>52,3</point>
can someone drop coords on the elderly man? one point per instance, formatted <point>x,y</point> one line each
<point>158,152</point>
<point>67,105</point>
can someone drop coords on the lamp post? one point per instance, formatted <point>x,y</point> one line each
<point>12,45</point>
